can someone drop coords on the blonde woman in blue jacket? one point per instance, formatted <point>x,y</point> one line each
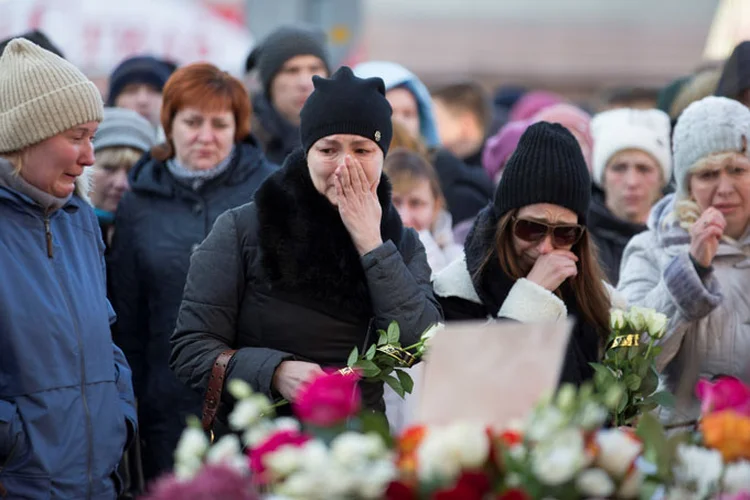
<point>66,400</point>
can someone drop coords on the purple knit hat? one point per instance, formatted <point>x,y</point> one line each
<point>532,103</point>
<point>500,146</point>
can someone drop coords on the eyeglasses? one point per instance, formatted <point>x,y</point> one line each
<point>562,234</point>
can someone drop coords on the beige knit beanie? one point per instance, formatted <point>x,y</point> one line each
<point>41,95</point>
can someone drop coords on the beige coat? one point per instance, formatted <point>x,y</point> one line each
<point>708,333</point>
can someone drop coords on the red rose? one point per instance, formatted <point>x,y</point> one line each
<point>514,494</point>
<point>399,491</point>
<point>271,444</point>
<point>470,486</point>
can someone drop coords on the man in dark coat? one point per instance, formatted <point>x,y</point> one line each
<point>286,60</point>
<point>735,80</point>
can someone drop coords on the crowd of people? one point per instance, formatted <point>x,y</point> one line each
<point>279,222</point>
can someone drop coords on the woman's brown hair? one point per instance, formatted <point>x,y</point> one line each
<point>405,168</point>
<point>206,87</point>
<point>591,295</point>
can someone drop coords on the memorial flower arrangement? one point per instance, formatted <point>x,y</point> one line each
<point>564,449</point>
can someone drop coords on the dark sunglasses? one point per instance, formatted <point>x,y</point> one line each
<point>562,234</point>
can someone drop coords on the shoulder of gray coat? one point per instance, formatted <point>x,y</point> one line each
<point>455,281</point>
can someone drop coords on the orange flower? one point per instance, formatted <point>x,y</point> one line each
<point>408,444</point>
<point>729,433</point>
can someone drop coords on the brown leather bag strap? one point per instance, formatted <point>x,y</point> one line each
<point>215,387</point>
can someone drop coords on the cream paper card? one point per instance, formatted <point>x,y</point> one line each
<point>490,372</point>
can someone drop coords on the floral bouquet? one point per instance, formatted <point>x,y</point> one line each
<point>630,361</point>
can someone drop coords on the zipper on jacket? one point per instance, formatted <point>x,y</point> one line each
<point>84,400</point>
<point>48,235</point>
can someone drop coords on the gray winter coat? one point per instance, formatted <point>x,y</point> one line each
<point>708,333</point>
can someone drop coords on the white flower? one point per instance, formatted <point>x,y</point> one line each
<point>431,331</point>
<point>340,481</point>
<point>374,483</point>
<point>258,433</point>
<point>284,461</point>
<point>446,451</point>
<point>557,460</point>
<point>656,323</point>
<point>301,485</point>
<point>191,448</point>
<point>247,412</point>
<point>544,423</point>
<point>631,486</point>
<point>228,451</point>
<point>315,454</point>
<point>286,424</point>
<point>185,470</point>
<point>637,318</point>
<point>698,467</point>
<point>354,448</point>
<point>617,319</point>
<point>617,452</point>
<point>595,483</point>
<point>737,477</point>
<point>239,389</point>
<point>566,397</point>
<point>592,416</point>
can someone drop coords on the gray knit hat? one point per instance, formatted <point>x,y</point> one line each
<point>41,95</point>
<point>711,125</point>
<point>124,128</point>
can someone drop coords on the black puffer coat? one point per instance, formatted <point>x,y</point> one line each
<point>280,279</point>
<point>159,224</point>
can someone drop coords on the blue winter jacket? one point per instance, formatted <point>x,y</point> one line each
<point>66,398</point>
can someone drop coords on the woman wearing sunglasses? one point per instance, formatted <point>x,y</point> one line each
<point>529,257</point>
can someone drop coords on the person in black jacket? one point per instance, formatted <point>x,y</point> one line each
<point>529,257</point>
<point>315,265</point>
<point>207,166</point>
<point>735,78</point>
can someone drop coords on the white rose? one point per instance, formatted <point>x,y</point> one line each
<point>239,389</point>
<point>656,324</point>
<point>737,477</point>
<point>631,486</point>
<point>617,452</point>
<point>339,481</point>
<point>315,455</point>
<point>246,413</point>
<point>354,448</point>
<point>557,460</point>
<point>192,446</point>
<point>258,433</point>
<point>185,470</point>
<point>377,478</point>
<point>700,467</point>
<point>470,444</point>
<point>286,424</point>
<point>595,483</point>
<point>636,318</point>
<point>545,423</point>
<point>224,450</point>
<point>592,416</point>
<point>617,319</point>
<point>435,459</point>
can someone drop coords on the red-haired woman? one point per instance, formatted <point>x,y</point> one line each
<point>208,165</point>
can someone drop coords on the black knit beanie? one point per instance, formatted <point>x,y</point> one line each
<point>283,44</point>
<point>546,167</point>
<point>345,104</point>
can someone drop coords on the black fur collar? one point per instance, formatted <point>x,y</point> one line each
<point>306,249</point>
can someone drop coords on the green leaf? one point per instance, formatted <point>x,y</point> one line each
<point>394,384</point>
<point>377,423</point>
<point>406,381</point>
<point>603,372</point>
<point>654,441</point>
<point>382,338</point>
<point>371,352</point>
<point>649,383</point>
<point>393,333</point>
<point>632,382</point>
<point>353,356</point>
<point>369,369</point>
<point>663,398</point>
<point>623,403</point>
<point>649,489</point>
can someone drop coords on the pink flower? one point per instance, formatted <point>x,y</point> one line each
<point>213,482</point>
<point>742,495</point>
<point>727,393</point>
<point>271,444</point>
<point>328,400</point>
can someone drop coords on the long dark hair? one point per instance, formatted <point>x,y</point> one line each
<point>591,295</point>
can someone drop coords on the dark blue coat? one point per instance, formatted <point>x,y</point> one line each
<point>159,224</point>
<point>65,389</point>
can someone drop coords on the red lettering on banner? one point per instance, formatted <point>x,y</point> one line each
<point>92,39</point>
<point>130,41</point>
<point>35,17</point>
